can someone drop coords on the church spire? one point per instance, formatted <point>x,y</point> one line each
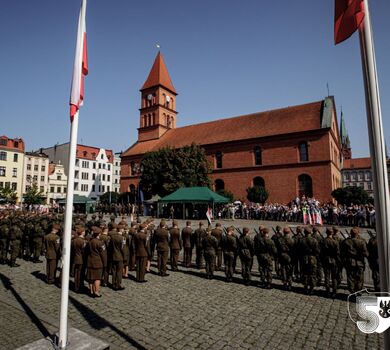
<point>159,75</point>
<point>344,139</point>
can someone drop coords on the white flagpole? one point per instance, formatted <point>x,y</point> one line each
<point>377,150</point>
<point>62,341</point>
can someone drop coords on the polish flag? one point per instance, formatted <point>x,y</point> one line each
<point>209,215</point>
<point>80,67</point>
<point>348,16</point>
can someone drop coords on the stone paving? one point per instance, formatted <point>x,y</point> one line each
<point>181,311</point>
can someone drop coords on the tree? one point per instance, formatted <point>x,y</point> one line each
<point>227,194</point>
<point>351,194</point>
<point>168,169</point>
<point>7,195</point>
<point>105,198</point>
<point>34,196</point>
<point>257,194</point>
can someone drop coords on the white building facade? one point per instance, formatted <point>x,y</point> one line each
<point>93,168</point>
<point>116,174</point>
<point>36,172</point>
<point>57,183</point>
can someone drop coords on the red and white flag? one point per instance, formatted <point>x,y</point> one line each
<point>348,15</point>
<point>209,215</point>
<point>80,67</point>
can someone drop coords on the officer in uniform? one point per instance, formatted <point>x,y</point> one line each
<point>186,237</point>
<point>141,254</point>
<point>265,250</point>
<point>4,236</point>
<point>330,252</point>
<point>15,240</point>
<point>117,244</point>
<point>199,234</point>
<point>286,245</point>
<point>229,247</point>
<point>53,252</point>
<point>275,237</point>
<point>217,233</point>
<point>373,261</point>
<point>161,238</point>
<point>105,238</point>
<point>309,250</point>
<point>78,250</point>
<point>132,232</point>
<point>37,241</point>
<point>209,246</point>
<point>175,245</point>
<point>246,253</point>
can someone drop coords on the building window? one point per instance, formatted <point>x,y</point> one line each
<point>1,184</point>
<point>85,164</point>
<point>108,188</point>
<point>101,156</point>
<point>103,187</point>
<point>303,152</point>
<point>41,188</point>
<point>94,165</point>
<point>93,176</point>
<point>2,170</point>
<point>43,168</point>
<point>104,177</point>
<point>3,142</point>
<point>305,186</point>
<point>28,178</point>
<point>77,162</point>
<point>104,166</point>
<point>35,178</point>
<point>76,174</point>
<point>16,144</point>
<point>76,186</point>
<point>52,189</point>
<point>100,165</point>
<point>58,177</point>
<point>219,185</point>
<point>369,186</point>
<point>257,153</point>
<point>258,181</point>
<point>108,167</point>
<point>116,190</point>
<point>14,172</point>
<point>14,186</point>
<point>7,185</point>
<point>28,166</point>
<point>360,175</point>
<point>3,155</point>
<point>108,177</point>
<point>116,181</point>
<point>58,189</point>
<point>42,178</point>
<point>84,176</point>
<point>353,176</point>
<point>64,189</point>
<point>15,157</point>
<point>93,188</point>
<point>218,160</point>
<point>368,175</point>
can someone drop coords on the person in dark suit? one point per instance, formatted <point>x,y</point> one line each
<point>186,237</point>
<point>96,262</point>
<point>141,254</point>
<point>53,253</point>
<point>175,245</point>
<point>78,247</point>
<point>117,244</point>
<point>160,238</point>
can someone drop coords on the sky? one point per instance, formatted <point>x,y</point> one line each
<point>225,58</point>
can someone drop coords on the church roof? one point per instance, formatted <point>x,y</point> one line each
<point>357,163</point>
<point>263,124</point>
<point>159,75</point>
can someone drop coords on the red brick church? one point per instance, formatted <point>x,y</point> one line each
<point>292,151</point>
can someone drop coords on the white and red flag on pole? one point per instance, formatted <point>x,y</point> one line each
<point>80,67</point>
<point>209,215</point>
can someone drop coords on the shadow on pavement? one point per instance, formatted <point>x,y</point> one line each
<point>97,322</point>
<point>34,319</point>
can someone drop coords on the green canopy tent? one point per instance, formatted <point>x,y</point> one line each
<point>194,195</point>
<point>80,203</point>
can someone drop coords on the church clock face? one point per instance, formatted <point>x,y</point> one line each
<point>168,98</point>
<point>149,97</point>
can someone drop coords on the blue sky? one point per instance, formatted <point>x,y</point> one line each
<point>225,58</point>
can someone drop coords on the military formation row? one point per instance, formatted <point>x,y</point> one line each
<point>100,249</point>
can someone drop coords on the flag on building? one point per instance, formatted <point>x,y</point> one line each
<point>348,16</point>
<point>80,67</point>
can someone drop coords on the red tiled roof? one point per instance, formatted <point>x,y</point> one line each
<point>357,163</point>
<point>10,143</point>
<point>159,75</point>
<point>275,122</point>
<point>90,153</point>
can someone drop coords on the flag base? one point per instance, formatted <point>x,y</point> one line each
<point>77,340</point>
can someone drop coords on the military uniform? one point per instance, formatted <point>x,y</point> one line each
<point>140,246</point>
<point>217,233</point>
<point>246,253</point>
<point>330,252</point>
<point>4,235</point>
<point>373,261</point>
<point>161,237</point>
<point>199,234</point>
<point>117,244</point>
<point>210,246</point>
<point>78,246</point>
<point>52,248</point>
<point>96,260</point>
<point>106,241</point>
<point>286,246</point>
<point>229,247</point>
<point>15,240</point>
<point>265,250</point>
<point>37,241</point>
<point>175,245</point>
<point>186,237</point>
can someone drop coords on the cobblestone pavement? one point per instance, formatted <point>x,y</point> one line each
<point>182,311</point>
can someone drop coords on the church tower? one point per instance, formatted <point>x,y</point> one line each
<point>345,143</point>
<point>158,103</point>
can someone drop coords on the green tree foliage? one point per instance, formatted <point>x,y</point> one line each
<point>33,196</point>
<point>168,169</point>
<point>227,194</point>
<point>7,195</point>
<point>257,194</point>
<point>351,194</point>
<point>105,198</point>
